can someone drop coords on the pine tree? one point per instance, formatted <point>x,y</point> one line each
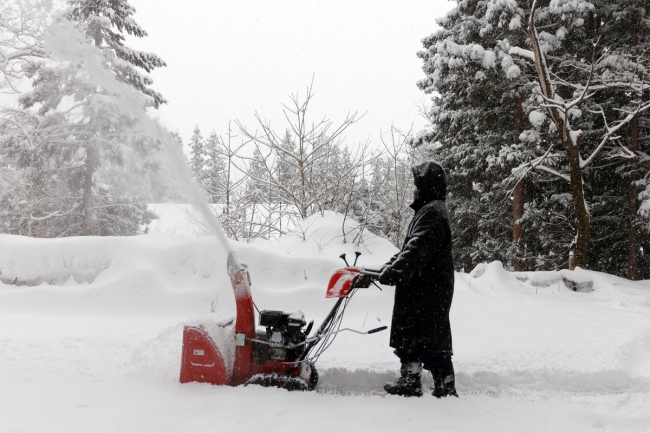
<point>623,227</point>
<point>597,92</point>
<point>100,129</point>
<point>105,22</point>
<point>215,170</point>
<point>500,145</point>
<point>197,156</point>
<point>477,117</point>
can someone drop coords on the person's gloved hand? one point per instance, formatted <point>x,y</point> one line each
<point>387,277</point>
<point>363,281</point>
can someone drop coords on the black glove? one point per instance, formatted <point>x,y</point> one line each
<point>387,277</point>
<point>363,281</point>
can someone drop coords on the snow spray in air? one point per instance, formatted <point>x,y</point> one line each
<point>67,44</point>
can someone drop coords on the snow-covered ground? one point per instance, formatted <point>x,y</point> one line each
<point>91,329</point>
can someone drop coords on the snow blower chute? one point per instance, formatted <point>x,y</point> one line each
<point>281,354</point>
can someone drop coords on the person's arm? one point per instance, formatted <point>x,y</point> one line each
<point>418,252</point>
<point>388,263</point>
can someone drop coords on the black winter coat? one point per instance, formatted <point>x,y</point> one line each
<point>423,271</point>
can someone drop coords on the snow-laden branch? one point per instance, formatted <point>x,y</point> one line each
<point>611,131</point>
<point>520,52</point>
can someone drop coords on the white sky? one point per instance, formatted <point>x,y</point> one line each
<point>228,59</point>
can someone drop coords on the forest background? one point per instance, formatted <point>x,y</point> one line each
<point>538,114</point>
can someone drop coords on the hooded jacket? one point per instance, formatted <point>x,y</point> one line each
<point>423,270</point>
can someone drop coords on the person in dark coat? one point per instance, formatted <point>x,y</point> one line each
<point>423,276</point>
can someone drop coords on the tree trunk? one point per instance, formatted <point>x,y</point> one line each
<point>518,194</point>
<point>88,192</point>
<point>270,201</point>
<point>30,200</point>
<point>633,253</point>
<point>303,192</point>
<point>583,220</point>
<point>517,231</point>
<point>228,182</point>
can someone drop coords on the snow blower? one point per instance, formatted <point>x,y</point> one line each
<point>283,352</point>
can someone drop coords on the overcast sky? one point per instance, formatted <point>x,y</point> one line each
<point>228,59</point>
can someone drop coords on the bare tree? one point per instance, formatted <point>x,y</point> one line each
<point>400,157</point>
<point>307,154</point>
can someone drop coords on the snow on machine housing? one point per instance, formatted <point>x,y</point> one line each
<point>278,355</point>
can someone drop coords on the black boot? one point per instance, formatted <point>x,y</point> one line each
<point>409,384</point>
<point>444,381</point>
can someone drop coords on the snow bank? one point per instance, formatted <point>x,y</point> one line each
<point>173,274</point>
<point>29,261</point>
<point>152,274</point>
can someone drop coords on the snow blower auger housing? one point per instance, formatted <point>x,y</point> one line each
<point>281,354</point>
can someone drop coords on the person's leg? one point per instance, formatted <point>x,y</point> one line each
<point>409,384</point>
<point>442,370</point>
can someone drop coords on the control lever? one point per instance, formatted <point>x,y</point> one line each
<point>308,330</point>
<point>343,257</point>
<point>357,254</point>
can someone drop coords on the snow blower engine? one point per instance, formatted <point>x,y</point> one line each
<point>283,339</point>
<point>281,354</point>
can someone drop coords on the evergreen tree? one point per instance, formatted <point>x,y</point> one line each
<point>499,145</point>
<point>215,170</point>
<point>197,156</point>
<point>624,28</point>
<point>477,117</point>
<point>597,92</point>
<point>100,132</point>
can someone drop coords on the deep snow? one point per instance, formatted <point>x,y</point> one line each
<point>91,328</point>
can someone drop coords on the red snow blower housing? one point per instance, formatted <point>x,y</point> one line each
<point>281,354</point>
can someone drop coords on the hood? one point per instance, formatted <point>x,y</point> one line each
<point>430,179</point>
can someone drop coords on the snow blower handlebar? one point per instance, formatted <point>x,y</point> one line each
<point>342,285</point>
<point>365,278</point>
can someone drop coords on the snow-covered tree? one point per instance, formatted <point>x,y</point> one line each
<point>22,32</point>
<point>197,156</point>
<point>577,84</point>
<point>477,118</point>
<point>99,130</point>
<point>215,169</point>
<point>506,130</point>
